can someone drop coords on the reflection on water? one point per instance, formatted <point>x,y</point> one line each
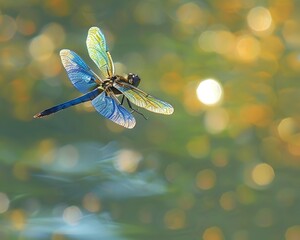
<point>231,166</point>
<point>83,178</point>
<point>89,226</point>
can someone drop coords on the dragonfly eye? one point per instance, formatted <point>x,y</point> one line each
<point>134,79</point>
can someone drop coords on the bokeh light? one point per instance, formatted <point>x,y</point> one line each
<point>228,201</point>
<point>4,202</point>
<point>230,151</point>
<point>213,233</point>
<point>216,120</point>
<point>259,19</point>
<point>209,92</point>
<point>41,47</point>
<point>175,219</point>
<point>191,14</point>
<point>18,219</point>
<point>91,203</point>
<point>287,128</point>
<point>8,28</point>
<point>72,215</point>
<point>128,160</point>
<point>292,233</point>
<point>248,48</point>
<point>262,174</point>
<point>206,179</point>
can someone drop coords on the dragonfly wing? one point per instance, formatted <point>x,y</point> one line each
<point>98,51</point>
<point>144,100</point>
<point>109,108</point>
<point>81,76</point>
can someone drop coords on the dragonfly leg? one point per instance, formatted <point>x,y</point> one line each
<point>133,110</point>
<point>122,100</point>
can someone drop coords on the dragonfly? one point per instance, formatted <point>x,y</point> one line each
<point>105,89</point>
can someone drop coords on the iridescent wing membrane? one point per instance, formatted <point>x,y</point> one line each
<point>98,51</point>
<point>144,100</point>
<point>78,71</point>
<point>109,108</point>
<point>86,81</point>
<point>106,103</point>
<point>94,89</point>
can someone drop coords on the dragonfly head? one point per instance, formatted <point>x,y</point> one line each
<point>133,79</point>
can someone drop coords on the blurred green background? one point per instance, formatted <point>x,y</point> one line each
<point>225,165</point>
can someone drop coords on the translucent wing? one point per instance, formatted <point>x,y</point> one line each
<point>81,76</point>
<point>144,100</point>
<point>109,108</point>
<point>99,53</point>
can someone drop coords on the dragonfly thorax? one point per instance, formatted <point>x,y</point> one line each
<point>131,78</point>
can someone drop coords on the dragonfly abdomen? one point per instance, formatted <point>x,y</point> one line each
<point>84,98</point>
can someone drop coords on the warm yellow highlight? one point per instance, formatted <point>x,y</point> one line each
<point>259,19</point>
<point>206,179</point>
<point>262,174</point>
<point>175,219</point>
<point>213,233</point>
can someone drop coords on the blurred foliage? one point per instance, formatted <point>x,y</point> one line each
<point>227,170</point>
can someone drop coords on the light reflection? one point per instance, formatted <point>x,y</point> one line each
<point>209,92</point>
<point>222,42</point>
<point>128,160</point>
<point>90,227</point>
<point>248,48</point>
<point>292,233</point>
<point>91,202</point>
<point>216,120</point>
<point>206,41</point>
<point>259,176</point>
<point>291,33</point>
<point>4,202</point>
<point>67,156</point>
<point>56,33</point>
<point>191,14</point>
<point>41,47</point>
<point>287,128</point>
<point>18,218</point>
<point>228,201</point>
<point>206,179</point>
<point>8,28</point>
<point>25,26</point>
<point>72,215</point>
<point>213,233</point>
<point>175,219</point>
<point>225,42</point>
<point>259,19</point>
